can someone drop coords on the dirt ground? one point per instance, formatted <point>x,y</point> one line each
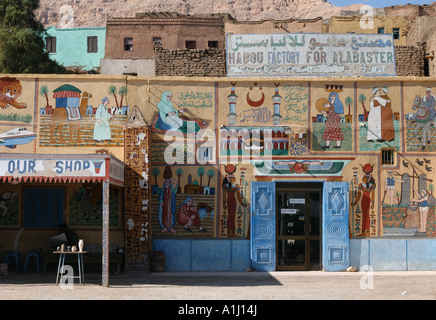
<point>220,286</point>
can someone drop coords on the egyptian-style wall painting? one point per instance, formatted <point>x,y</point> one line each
<point>234,218</point>
<point>332,117</point>
<point>80,115</point>
<point>364,186</point>
<point>183,200</point>
<point>420,117</point>
<point>186,115</point>
<point>257,119</point>
<point>183,177</point>
<point>137,218</point>
<point>379,116</point>
<point>408,200</point>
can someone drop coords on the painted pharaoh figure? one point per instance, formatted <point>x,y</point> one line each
<point>366,196</point>
<point>231,197</point>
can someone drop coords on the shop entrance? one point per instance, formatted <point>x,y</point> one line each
<point>298,219</point>
<point>299,226</point>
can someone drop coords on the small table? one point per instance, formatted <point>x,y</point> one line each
<point>61,264</point>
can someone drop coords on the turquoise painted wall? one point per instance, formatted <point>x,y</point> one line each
<point>72,46</point>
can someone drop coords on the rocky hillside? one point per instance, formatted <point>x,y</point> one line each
<point>92,13</point>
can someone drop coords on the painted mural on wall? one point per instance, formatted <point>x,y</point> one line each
<point>183,200</point>
<point>186,116</point>
<point>234,217</point>
<point>137,212</point>
<point>259,118</point>
<point>281,127</point>
<point>85,206</point>
<point>420,120</point>
<point>9,207</point>
<point>183,177</point>
<point>80,118</point>
<point>408,201</point>
<point>364,205</point>
<point>176,115</point>
<point>379,114</point>
<point>15,116</point>
<point>332,123</point>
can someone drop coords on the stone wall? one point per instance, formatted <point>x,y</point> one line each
<point>190,62</point>
<point>410,60</point>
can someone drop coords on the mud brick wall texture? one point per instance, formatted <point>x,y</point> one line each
<point>209,62</point>
<point>212,62</point>
<point>410,60</point>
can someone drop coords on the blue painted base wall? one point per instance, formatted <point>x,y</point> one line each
<point>394,254</point>
<point>234,255</point>
<point>204,255</point>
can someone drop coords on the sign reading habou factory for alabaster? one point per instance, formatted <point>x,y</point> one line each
<point>303,54</point>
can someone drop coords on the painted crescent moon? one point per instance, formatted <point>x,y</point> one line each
<point>255,103</point>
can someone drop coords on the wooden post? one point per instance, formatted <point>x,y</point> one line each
<point>105,249</point>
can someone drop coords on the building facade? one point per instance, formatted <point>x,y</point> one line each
<point>78,49</point>
<point>130,41</point>
<point>224,174</point>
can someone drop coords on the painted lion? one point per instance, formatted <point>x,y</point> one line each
<point>10,89</point>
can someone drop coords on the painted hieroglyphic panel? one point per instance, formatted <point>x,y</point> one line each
<point>137,236</point>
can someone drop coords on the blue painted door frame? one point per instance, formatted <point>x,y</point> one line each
<point>335,229</point>
<point>335,234</point>
<point>263,226</point>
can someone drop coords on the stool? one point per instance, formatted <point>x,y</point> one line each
<point>28,262</point>
<point>15,256</point>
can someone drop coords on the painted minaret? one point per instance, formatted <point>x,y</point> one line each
<point>232,104</point>
<point>277,100</point>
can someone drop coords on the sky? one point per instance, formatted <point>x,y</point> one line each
<point>377,3</point>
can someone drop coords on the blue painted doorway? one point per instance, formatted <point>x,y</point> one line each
<point>299,226</point>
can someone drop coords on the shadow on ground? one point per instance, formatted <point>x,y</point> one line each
<point>131,278</point>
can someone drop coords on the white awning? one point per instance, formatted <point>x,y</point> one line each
<point>61,168</point>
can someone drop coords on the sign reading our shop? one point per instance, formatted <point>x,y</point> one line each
<point>303,54</point>
<point>52,167</point>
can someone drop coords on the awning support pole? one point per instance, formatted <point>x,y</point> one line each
<point>105,249</point>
